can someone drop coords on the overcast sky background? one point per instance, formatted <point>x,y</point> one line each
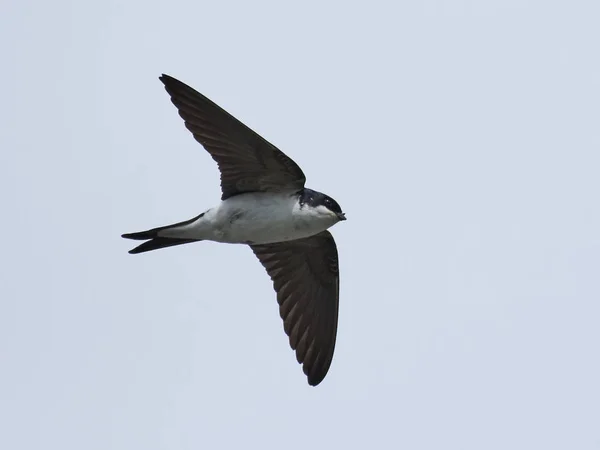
<point>461,138</point>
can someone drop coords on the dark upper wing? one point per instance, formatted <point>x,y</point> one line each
<point>247,162</point>
<point>306,277</point>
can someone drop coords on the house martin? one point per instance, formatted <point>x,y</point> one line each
<point>265,205</point>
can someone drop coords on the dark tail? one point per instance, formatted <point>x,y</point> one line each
<point>154,242</point>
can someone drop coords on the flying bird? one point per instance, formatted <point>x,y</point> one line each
<point>265,205</point>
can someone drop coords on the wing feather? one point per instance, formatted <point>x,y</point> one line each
<point>248,163</point>
<point>305,275</point>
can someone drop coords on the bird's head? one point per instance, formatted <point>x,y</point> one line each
<point>322,205</point>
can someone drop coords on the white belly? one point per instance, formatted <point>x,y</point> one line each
<point>255,218</point>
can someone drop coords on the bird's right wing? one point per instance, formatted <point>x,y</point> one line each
<point>248,163</point>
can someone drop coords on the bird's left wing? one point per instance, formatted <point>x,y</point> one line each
<point>305,276</point>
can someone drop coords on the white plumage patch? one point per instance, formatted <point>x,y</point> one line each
<point>257,218</point>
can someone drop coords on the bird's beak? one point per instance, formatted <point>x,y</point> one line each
<point>341,216</point>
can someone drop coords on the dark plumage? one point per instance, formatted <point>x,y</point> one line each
<point>304,270</point>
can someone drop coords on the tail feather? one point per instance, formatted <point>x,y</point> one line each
<point>142,235</point>
<point>158,242</point>
<point>154,241</point>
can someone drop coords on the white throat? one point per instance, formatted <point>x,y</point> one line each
<point>258,218</point>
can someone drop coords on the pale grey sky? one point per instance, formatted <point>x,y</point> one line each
<point>462,140</point>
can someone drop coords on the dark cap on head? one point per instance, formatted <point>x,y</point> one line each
<point>315,198</point>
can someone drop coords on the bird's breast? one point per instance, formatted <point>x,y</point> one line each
<point>262,218</point>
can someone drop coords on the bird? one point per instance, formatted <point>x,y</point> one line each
<point>265,205</point>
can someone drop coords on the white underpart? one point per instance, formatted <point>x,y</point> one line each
<point>257,218</point>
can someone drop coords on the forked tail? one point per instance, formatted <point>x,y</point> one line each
<point>154,241</point>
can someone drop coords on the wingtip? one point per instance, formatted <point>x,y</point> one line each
<point>164,78</point>
<point>315,381</point>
